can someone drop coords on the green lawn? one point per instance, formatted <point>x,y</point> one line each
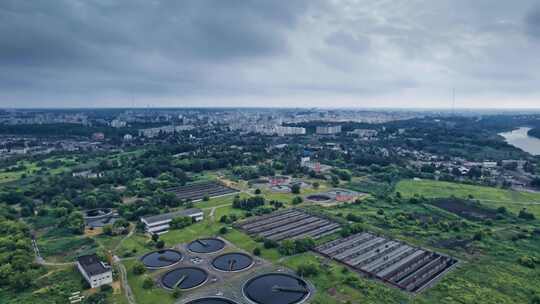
<point>30,168</point>
<point>153,295</point>
<point>332,288</point>
<point>494,197</point>
<point>65,249</point>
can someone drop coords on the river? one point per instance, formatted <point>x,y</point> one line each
<point>519,139</point>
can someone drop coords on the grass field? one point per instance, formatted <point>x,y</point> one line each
<point>494,197</point>
<point>9,176</point>
<point>335,284</point>
<point>32,168</point>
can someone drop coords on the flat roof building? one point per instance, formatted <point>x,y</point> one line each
<point>328,130</point>
<point>95,272</point>
<point>159,224</point>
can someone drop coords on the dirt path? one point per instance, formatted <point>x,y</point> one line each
<point>125,283</point>
<point>132,230</point>
<point>509,202</point>
<point>212,211</point>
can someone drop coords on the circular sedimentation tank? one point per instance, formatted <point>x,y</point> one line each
<point>184,278</point>
<point>319,198</point>
<point>100,217</point>
<point>232,262</point>
<point>208,245</point>
<point>211,300</point>
<point>281,188</point>
<point>275,288</point>
<point>161,258</point>
<point>97,213</point>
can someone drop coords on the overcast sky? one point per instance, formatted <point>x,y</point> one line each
<point>335,53</point>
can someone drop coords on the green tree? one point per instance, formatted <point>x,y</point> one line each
<point>148,283</point>
<point>108,229</point>
<point>138,268</point>
<point>307,270</point>
<point>181,222</point>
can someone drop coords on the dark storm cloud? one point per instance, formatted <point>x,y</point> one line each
<point>68,31</point>
<point>85,40</point>
<point>77,53</point>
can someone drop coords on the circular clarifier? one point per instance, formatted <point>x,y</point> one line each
<point>319,198</point>
<point>232,262</point>
<point>212,300</point>
<point>184,278</point>
<point>276,288</point>
<point>209,245</point>
<point>161,258</point>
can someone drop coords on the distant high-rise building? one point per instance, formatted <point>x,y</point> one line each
<point>281,130</point>
<point>328,130</point>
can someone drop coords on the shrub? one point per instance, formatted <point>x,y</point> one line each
<point>307,270</point>
<point>160,244</point>
<point>268,244</point>
<point>297,200</point>
<point>181,222</point>
<point>223,230</point>
<point>148,283</point>
<point>249,203</point>
<point>354,218</point>
<point>257,251</point>
<point>478,236</point>
<point>528,261</point>
<point>524,214</point>
<point>289,247</point>
<point>138,268</point>
<point>105,288</point>
<point>295,189</point>
<point>177,293</point>
<point>257,191</point>
<point>108,229</point>
<point>351,229</point>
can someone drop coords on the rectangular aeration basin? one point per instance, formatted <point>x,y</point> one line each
<point>401,265</point>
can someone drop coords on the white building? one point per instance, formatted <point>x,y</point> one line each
<point>282,130</point>
<point>159,224</point>
<point>328,130</point>
<point>116,123</point>
<point>153,132</point>
<point>364,133</point>
<point>87,174</point>
<point>94,271</point>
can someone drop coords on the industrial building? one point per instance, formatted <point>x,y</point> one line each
<point>159,224</point>
<point>95,272</point>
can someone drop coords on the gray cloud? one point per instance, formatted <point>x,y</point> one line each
<point>532,23</point>
<point>76,53</point>
<point>357,44</point>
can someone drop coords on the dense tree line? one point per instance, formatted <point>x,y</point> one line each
<point>17,268</point>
